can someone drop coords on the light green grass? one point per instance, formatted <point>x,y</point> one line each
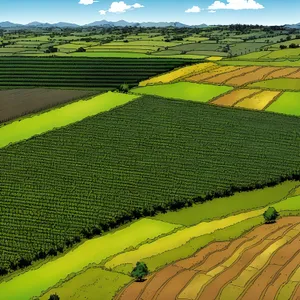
<point>178,238</point>
<point>90,252</point>
<point>278,84</point>
<point>184,91</point>
<point>285,53</point>
<point>283,63</point>
<point>291,204</point>
<point>93,284</point>
<point>157,261</point>
<point>68,114</point>
<point>222,207</point>
<point>253,55</point>
<point>288,103</point>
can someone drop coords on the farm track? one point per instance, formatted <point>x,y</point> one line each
<point>211,272</point>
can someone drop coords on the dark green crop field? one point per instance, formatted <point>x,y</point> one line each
<point>82,72</point>
<point>147,152</point>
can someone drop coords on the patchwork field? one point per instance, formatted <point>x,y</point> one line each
<point>184,91</point>
<point>71,187</point>
<point>258,101</point>
<point>178,74</point>
<point>82,72</point>
<point>19,102</point>
<point>84,283</point>
<point>243,267</point>
<point>231,98</point>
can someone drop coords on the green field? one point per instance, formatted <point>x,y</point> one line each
<point>288,103</point>
<point>83,71</point>
<point>292,84</point>
<point>282,63</point>
<point>93,284</point>
<point>122,155</point>
<point>222,207</point>
<point>28,127</point>
<point>91,252</point>
<point>184,90</point>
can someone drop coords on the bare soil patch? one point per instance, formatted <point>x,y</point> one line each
<point>256,75</point>
<point>19,102</point>
<point>224,77</point>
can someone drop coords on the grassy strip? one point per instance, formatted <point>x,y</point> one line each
<point>278,84</point>
<point>93,284</point>
<point>284,63</point>
<point>56,118</point>
<point>223,207</point>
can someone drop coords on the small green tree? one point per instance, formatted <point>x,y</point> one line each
<point>271,215</point>
<point>140,271</point>
<point>124,88</point>
<point>54,297</point>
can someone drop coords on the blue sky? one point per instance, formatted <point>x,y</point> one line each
<point>266,12</point>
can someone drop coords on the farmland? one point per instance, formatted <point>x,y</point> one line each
<point>18,102</point>
<point>65,196</point>
<point>183,90</point>
<point>107,73</point>
<point>161,145</point>
<point>141,234</point>
<point>26,128</point>
<point>227,270</point>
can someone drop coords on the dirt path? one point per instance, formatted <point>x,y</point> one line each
<point>213,269</point>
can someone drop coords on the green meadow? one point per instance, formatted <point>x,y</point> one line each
<point>184,91</point>
<point>278,84</point>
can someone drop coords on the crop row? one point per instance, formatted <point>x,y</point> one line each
<point>134,157</point>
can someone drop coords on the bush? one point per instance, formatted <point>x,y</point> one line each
<point>283,46</point>
<point>54,297</point>
<point>140,271</point>
<point>270,215</point>
<point>124,88</point>
<point>80,49</point>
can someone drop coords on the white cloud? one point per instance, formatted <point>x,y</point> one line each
<point>137,5</point>
<point>212,11</point>
<point>194,9</point>
<point>236,5</point>
<point>87,2</point>
<point>120,7</point>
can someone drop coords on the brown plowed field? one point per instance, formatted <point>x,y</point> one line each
<point>211,73</point>
<point>234,96</point>
<point>224,77</point>
<point>256,75</point>
<point>294,75</point>
<point>20,102</point>
<point>272,252</point>
<point>282,72</point>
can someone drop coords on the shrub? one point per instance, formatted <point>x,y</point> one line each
<point>270,215</point>
<point>54,297</point>
<point>140,271</point>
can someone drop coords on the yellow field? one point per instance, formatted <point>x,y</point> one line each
<point>257,265</point>
<point>179,73</point>
<point>178,238</point>
<point>214,58</point>
<point>258,101</point>
<point>234,96</point>
<point>212,72</point>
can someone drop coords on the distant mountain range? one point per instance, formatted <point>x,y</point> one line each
<point>296,26</point>
<point>102,23</point>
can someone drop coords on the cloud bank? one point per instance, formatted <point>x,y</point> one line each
<point>236,5</point>
<point>194,9</point>
<point>120,7</point>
